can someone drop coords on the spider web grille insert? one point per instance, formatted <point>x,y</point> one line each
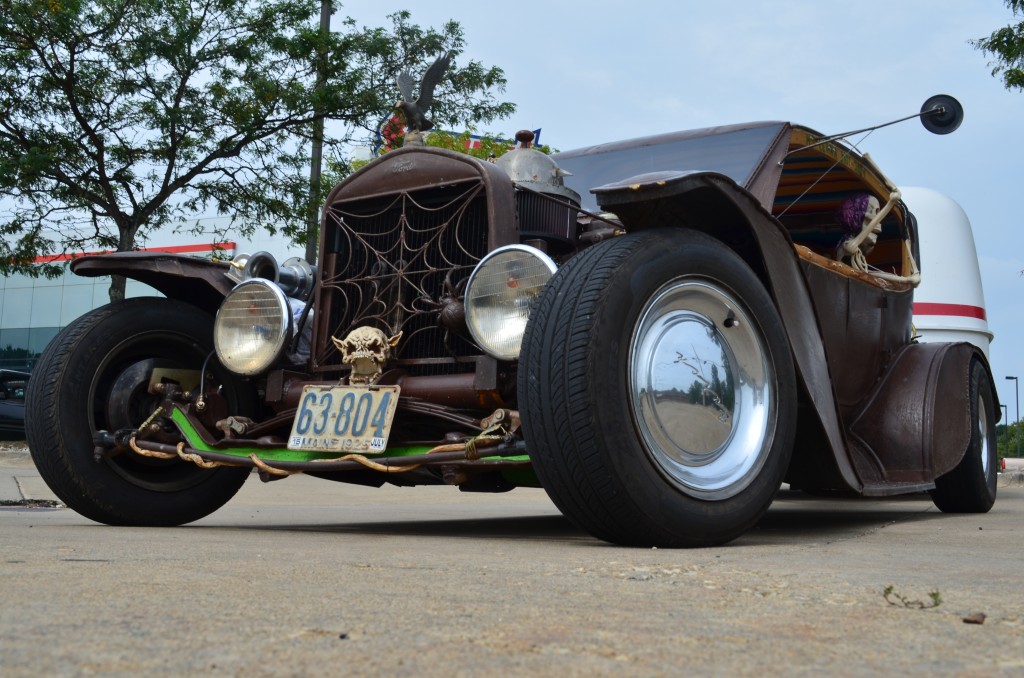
<point>393,261</point>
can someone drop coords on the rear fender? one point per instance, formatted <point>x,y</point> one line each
<point>916,426</point>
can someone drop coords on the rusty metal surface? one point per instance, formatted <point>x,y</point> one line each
<point>398,242</point>
<point>412,169</point>
<point>200,282</point>
<point>748,153</point>
<point>916,425</point>
<point>863,327</point>
<point>764,181</point>
<point>455,391</point>
<point>546,208</point>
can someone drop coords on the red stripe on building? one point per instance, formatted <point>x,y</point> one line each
<point>172,249</point>
<point>962,310</point>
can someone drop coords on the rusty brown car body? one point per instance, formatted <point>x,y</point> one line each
<point>722,238</point>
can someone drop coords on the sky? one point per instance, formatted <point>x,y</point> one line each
<point>593,71</point>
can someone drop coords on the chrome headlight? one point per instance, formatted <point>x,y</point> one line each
<point>499,294</point>
<point>252,326</point>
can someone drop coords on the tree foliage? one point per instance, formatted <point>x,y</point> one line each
<point>391,135</point>
<point>485,147</point>
<point>1006,46</point>
<point>1006,439</point>
<point>121,116</point>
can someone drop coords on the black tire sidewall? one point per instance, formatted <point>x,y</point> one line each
<point>59,424</point>
<point>657,511</point>
<point>610,344</point>
<point>968,488</point>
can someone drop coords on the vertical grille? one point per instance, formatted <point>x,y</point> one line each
<point>393,261</point>
<point>546,218</point>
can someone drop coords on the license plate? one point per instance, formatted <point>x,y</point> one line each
<point>344,419</point>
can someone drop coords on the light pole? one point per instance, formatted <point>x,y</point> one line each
<point>1016,389</point>
<point>317,151</point>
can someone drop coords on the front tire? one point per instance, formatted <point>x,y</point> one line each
<point>94,376</point>
<point>971,486</point>
<point>657,391</point>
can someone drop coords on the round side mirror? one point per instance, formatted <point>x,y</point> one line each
<point>941,114</point>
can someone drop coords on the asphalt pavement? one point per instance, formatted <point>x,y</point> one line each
<point>306,577</point>
<point>20,484</point>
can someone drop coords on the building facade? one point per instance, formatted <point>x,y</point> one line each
<point>34,310</point>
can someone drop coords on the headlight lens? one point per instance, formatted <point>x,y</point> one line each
<point>252,326</point>
<point>499,295</point>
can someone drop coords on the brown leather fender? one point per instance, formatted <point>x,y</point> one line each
<point>200,282</point>
<point>916,425</point>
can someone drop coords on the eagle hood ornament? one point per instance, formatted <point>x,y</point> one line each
<point>415,111</point>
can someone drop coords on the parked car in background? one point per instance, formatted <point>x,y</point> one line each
<point>659,332</point>
<point>12,404</point>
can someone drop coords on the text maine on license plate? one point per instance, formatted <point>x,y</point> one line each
<point>344,418</point>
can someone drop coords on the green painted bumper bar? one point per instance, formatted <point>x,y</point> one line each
<point>284,458</point>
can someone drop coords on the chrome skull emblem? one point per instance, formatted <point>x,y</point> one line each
<point>365,350</point>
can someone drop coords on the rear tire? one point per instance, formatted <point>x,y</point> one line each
<point>93,376</point>
<point>971,486</point>
<point>657,391</point>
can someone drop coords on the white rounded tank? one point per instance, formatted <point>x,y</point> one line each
<point>949,304</point>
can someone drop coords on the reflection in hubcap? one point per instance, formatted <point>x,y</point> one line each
<point>701,388</point>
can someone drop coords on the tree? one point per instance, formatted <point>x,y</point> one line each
<point>121,116</point>
<point>1006,439</point>
<point>485,147</point>
<point>1006,45</point>
<point>391,135</point>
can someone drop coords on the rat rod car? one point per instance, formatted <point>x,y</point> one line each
<point>658,332</point>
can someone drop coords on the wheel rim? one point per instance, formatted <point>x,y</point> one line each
<point>119,399</point>
<point>983,435</point>
<point>702,388</point>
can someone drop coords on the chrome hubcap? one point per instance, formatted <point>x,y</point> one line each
<point>983,434</point>
<point>701,389</point>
